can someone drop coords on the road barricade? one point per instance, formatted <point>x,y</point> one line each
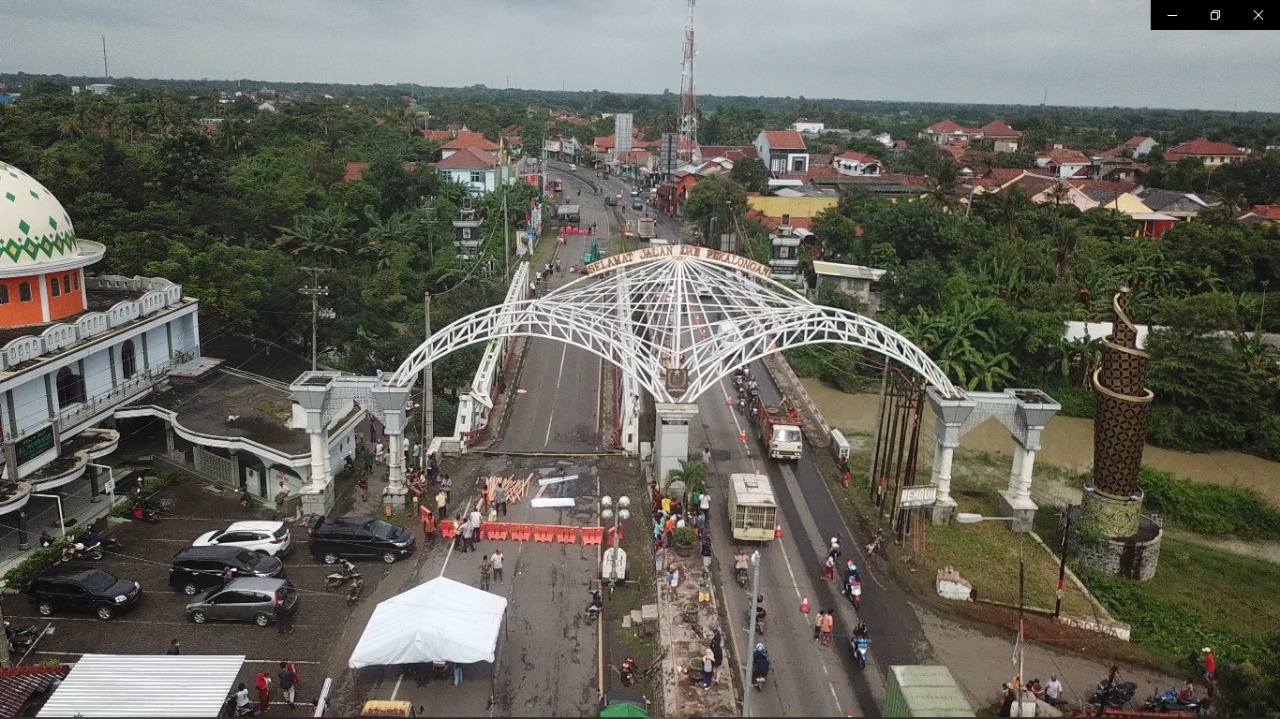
<point>544,532</point>
<point>494,530</point>
<point>567,535</point>
<point>592,535</point>
<point>521,532</point>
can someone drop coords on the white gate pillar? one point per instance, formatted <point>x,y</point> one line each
<point>317,495</point>
<point>951,414</point>
<point>671,437</point>
<point>392,400</point>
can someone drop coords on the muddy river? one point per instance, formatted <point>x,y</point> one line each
<point>1067,441</point>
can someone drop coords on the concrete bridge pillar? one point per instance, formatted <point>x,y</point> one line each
<point>671,437</point>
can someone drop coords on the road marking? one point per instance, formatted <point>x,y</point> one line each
<point>454,542</point>
<point>551,415</point>
<point>396,690</point>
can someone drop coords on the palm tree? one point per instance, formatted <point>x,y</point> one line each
<point>692,473</point>
<point>1059,193</point>
<point>942,187</point>
<point>233,136</point>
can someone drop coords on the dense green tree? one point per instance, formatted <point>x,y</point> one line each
<point>715,205</point>
<point>750,173</point>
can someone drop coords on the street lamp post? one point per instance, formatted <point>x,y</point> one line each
<point>607,513</point>
<point>751,633</point>
<point>1263,310</point>
<point>969,518</point>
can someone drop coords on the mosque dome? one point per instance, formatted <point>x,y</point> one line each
<point>34,227</point>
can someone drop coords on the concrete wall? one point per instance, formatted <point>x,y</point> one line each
<point>97,374</point>
<point>157,342</point>
<point>30,407</point>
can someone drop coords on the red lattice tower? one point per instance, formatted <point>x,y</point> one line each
<point>688,104</point>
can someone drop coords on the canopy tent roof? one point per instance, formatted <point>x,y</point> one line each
<point>438,621</point>
<point>148,685</point>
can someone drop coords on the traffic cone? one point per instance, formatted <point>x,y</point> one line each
<point>804,604</point>
<point>777,531</point>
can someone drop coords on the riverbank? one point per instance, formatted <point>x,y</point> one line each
<point>1067,443</point>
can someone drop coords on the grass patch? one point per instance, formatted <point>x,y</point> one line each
<point>1199,597</point>
<point>1210,509</point>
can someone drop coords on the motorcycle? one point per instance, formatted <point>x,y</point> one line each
<point>231,710</point>
<point>80,550</point>
<point>145,512</point>
<point>1168,702</point>
<point>20,640</point>
<point>342,576</point>
<point>855,595</point>
<point>859,644</point>
<point>355,591</point>
<point>595,607</point>
<point>759,621</point>
<point>740,574</point>
<point>758,682</point>
<point>1115,697</point>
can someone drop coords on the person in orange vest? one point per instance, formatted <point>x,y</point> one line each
<point>428,523</point>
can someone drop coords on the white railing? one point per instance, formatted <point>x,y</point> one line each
<point>139,384</point>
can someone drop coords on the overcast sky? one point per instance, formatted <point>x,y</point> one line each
<point>1085,52</point>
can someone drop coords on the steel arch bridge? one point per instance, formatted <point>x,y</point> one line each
<point>677,319</point>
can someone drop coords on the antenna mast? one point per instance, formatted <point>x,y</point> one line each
<point>688,105</point>
<point>105,69</point>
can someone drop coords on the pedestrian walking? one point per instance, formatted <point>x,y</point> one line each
<point>828,625</point>
<point>708,668</point>
<point>500,499</point>
<point>368,460</point>
<point>1209,664</point>
<point>829,569</point>
<point>447,483</point>
<point>475,520</point>
<point>288,682</point>
<point>284,622</point>
<point>442,499</point>
<point>417,454</point>
<point>263,685</point>
<point>817,625</point>
<point>486,570</point>
<point>464,535</point>
<point>704,506</point>
<point>497,560</point>
<point>428,524</point>
<point>175,649</point>
<point>1053,691</point>
<point>379,453</point>
<point>363,484</point>
<point>673,579</point>
<point>717,654</point>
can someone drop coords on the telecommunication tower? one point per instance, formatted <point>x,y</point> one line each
<point>688,105</point>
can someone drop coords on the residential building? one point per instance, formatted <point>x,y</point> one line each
<point>464,140</point>
<point>1182,205</point>
<point>783,152</point>
<point>1268,214</point>
<point>267,107</point>
<point>857,164</point>
<point>1064,162</point>
<point>1139,145</point>
<point>729,152</point>
<point>947,131</point>
<point>472,167</point>
<point>855,280</point>
<point>1002,137</point>
<point>438,135</point>
<point>1209,153</point>
<point>73,348</point>
<point>806,126</point>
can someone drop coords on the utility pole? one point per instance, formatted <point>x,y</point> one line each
<point>1022,584</point>
<point>428,391</point>
<point>1062,565</point>
<point>751,634</point>
<point>506,243</point>
<point>315,292</point>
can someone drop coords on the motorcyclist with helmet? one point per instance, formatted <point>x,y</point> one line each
<point>759,666</point>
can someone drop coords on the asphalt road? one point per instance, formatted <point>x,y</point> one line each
<point>559,409</point>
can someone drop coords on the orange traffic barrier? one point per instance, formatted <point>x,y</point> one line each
<point>521,532</point>
<point>567,535</point>
<point>448,529</point>
<point>494,530</point>
<point>544,532</point>
<point>592,535</point>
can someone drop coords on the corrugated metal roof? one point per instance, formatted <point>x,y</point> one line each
<point>114,685</point>
<point>19,684</point>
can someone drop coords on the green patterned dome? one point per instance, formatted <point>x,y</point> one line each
<point>34,227</point>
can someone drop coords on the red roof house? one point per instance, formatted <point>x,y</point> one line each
<point>1210,153</point>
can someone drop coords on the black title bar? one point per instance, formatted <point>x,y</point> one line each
<point>1214,15</point>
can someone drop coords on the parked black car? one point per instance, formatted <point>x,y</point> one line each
<point>352,537</point>
<point>198,568</point>
<point>82,589</point>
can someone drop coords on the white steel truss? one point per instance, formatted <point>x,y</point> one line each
<point>678,320</point>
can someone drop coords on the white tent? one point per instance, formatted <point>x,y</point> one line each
<point>439,621</point>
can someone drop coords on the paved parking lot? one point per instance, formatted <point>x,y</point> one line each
<point>191,508</point>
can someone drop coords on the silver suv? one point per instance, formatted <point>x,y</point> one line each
<point>261,600</point>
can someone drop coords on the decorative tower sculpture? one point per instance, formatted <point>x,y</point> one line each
<point>1113,535</point>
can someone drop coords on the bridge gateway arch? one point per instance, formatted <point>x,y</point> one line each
<point>675,320</point>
